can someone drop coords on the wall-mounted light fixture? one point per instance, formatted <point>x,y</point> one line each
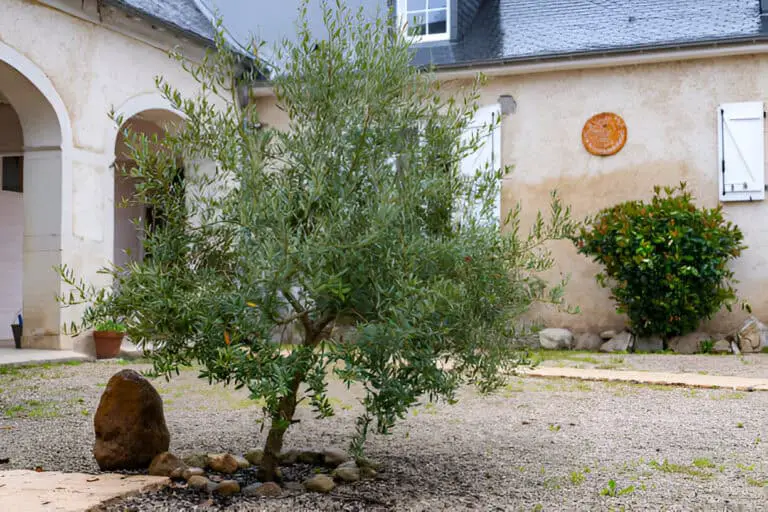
<point>508,104</point>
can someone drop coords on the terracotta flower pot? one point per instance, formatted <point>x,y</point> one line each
<point>107,343</point>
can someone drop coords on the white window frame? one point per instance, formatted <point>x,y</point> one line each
<point>402,15</point>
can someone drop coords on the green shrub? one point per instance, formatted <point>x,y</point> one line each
<point>109,326</point>
<point>666,261</point>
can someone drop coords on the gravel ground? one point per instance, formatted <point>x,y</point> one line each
<point>746,365</point>
<point>535,445</point>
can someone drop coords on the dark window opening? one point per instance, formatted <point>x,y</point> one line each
<point>13,173</point>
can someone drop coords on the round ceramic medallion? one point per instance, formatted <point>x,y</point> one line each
<point>604,134</point>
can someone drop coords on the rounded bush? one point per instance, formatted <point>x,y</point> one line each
<point>666,261</point>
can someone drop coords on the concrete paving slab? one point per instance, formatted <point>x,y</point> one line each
<point>51,491</point>
<point>25,356</point>
<point>694,380</point>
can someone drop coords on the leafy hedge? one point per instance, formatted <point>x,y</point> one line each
<point>666,261</point>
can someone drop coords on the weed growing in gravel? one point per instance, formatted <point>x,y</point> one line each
<point>577,477</point>
<point>563,355</point>
<point>668,467</point>
<point>554,428</point>
<point>614,491</point>
<point>732,395</point>
<point>756,483</point>
<point>744,467</point>
<point>739,425</point>
<point>703,462</point>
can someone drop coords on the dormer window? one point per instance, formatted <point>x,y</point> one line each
<point>425,20</point>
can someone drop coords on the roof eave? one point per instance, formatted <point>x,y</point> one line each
<point>599,53</point>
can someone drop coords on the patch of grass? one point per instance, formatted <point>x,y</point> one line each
<point>554,428</point>
<point>744,467</point>
<point>728,395</point>
<point>703,462</point>
<point>668,467</point>
<point>756,483</point>
<point>32,409</point>
<point>563,355</point>
<point>739,425</point>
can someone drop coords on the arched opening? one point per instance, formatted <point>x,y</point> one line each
<point>131,219</point>
<point>35,140</point>
<point>11,217</point>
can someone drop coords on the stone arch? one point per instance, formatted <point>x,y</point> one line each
<point>47,146</point>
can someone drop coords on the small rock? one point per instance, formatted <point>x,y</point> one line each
<point>198,482</point>
<point>555,339</point>
<point>607,335</point>
<point>347,474</point>
<point>348,464</point>
<point>129,423</point>
<point>650,344</point>
<point>721,347</point>
<point>254,456</point>
<point>267,490</point>
<point>190,472</point>
<point>178,474</point>
<point>293,486</point>
<point>735,348</point>
<point>228,488</point>
<point>367,472</point>
<point>242,462</point>
<point>688,344</point>
<point>619,343</point>
<point>250,490</point>
<point>333,457</point>
<point>752,336</point>
<point>363,462</point>
<point>320,483</point>
<point>289,458</point>
<point>196,460</point>
<point>587,341</point>
<point>222,463</point>
<point>310,457</point>
<point>164,464</point>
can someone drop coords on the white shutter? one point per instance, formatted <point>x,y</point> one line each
<point>741,151</point>
<point>488,154</point>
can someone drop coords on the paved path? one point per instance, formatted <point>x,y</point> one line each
<point>664,378</point>
<point>51,491</point>
<point>15,357</point>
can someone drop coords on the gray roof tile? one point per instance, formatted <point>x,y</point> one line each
<point>183,16</point>
<point>535,29</point>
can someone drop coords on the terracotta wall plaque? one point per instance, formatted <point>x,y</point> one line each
<point>604,134</point>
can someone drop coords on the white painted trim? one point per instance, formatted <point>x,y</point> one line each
<point>402,13</point>
<point>34,74</point>
<point>576,63</point>
<point>133,107</point>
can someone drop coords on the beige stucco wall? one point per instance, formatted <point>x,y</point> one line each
<point>93,68</point>
<point>670,111</point>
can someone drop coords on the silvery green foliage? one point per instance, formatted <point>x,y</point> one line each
<point>352,214</point>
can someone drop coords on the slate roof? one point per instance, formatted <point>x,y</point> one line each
<point>520,30</point>
<point>182,16</point>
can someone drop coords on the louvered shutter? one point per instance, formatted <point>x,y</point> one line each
<point>488,154</point>
<point>742,151</point>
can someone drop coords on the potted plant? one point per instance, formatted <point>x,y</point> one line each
<point>108,337</point>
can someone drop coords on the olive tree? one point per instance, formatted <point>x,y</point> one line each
<point>351,224</point>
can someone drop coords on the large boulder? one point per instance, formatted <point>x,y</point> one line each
<point>649,344</point>
<point>619,343</point>
<point>129,423</point>
<point>588,341</point>
<point>688,344</point>
<point>556,339</point>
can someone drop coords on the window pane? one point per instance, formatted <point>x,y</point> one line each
<point>417,23</point>
<point>417,5</point>
<point>437,23</point>
<point>437,4</point>
<point>12,177</point>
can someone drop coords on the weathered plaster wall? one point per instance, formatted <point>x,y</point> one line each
<point>670,111</point>
<point>93,69</point>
